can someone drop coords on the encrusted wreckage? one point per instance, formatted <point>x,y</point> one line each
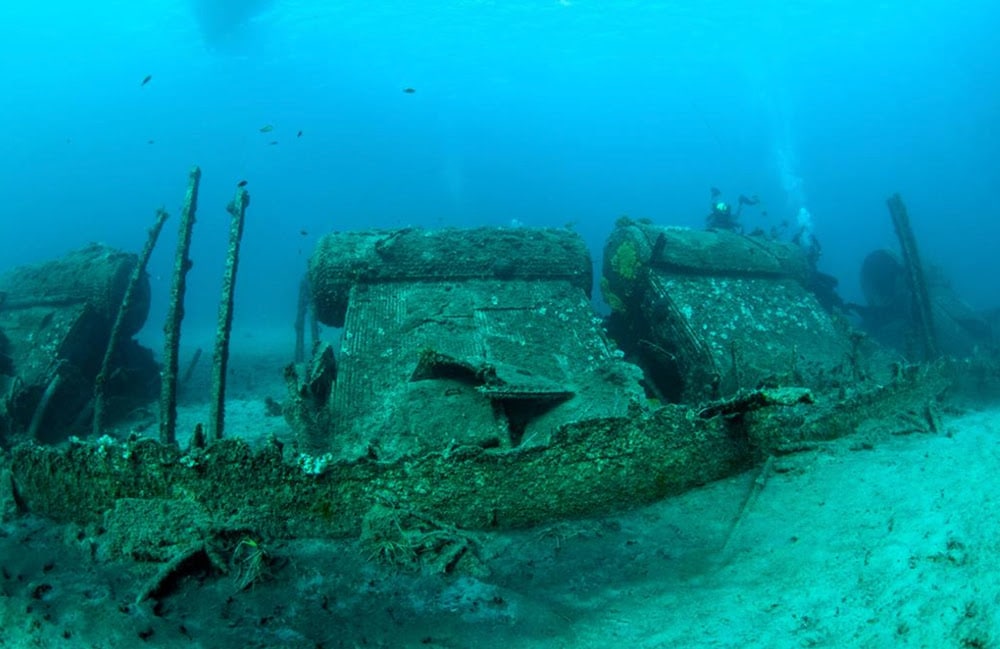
<point>55,323</point>
<point>475,387</point>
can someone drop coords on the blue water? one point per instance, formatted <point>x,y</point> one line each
<point>540,113</point>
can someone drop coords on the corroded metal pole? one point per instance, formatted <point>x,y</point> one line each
<point>237,209</point>
<point>300,320</point>
<point>175,314</point>
<point>923,314</point>
<point>101,382</point>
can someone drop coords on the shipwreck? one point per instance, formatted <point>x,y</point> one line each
<point>474,387</point>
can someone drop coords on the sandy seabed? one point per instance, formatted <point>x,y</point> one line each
<point>867,541</point>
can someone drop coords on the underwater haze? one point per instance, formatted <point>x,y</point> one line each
<point>347,115</point>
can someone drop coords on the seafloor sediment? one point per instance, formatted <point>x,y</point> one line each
<point>870,540</point>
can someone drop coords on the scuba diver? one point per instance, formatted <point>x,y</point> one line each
<point>722,216</point>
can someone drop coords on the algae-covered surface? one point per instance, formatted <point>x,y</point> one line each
<point>880,537</point>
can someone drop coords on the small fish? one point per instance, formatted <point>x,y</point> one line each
<point>272,143</point>
<point>299,134</point>
<point>146,80</point>
<point>715,191</point>
<point>304,233</point>
<point>242,183</point>
<point>409,91</point>
<point>150,142</point>
<point>266,128</point>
